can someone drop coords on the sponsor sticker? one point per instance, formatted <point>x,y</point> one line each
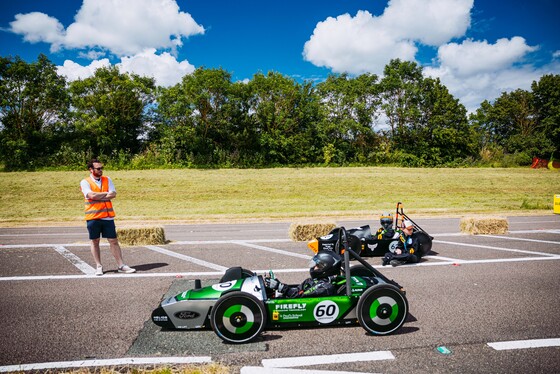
<point>326,311</point>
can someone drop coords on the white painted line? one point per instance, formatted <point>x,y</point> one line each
<point>539,231</point>
<point>54,234</point>
<point>327,359</point>
<point>192,275</point>
<point>116,275</point>
<point>75,260</point>
<point>495,248</point>
<point>524,344</point>
<point>203,242</point>
<point>522,239</point>
<point>199,242</point>
<point>268,249</point>
<point>187,258</point>
<point>442,258</point>
<point>109,363</point>
<point>261,370</point>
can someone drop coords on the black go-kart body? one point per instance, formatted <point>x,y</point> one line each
<point>367,244</point>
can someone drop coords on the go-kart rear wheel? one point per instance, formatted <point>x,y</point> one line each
<point>382,309</point>
<point>238,317</point>
<point>424,243</point>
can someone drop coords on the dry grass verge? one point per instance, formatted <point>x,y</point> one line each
<point>491,225</point>
<point>212,368</point>
<point>300,232</point>
<point>141,235</point>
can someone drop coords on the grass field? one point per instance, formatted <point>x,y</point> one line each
<point>287,194</point>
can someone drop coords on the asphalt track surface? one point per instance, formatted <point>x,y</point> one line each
<point>478,304</point>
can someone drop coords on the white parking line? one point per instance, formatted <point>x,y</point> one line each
<point>108,363</point>
<point>229,241</point>
<point>187,258</point>
<point>327,359</point>
<point>261,370</point>
<point>268,249</point>
<point>75,260</point>
<point>524,344</point>
<point>522,239</point>
<point>496,248</point>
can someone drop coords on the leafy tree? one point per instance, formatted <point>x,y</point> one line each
<point>546,95</point>
<point>33,107</point>
<point>111,111</point>
<point>284,113</point>
<point>400,91</point>
<point>205,117</point>
<point>350,108</point>
<point>512,123</point>
<point>442,133</point>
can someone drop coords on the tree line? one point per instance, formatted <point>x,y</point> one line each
<point>207,120</point>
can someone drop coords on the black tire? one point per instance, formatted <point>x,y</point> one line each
<point>361,271</point>
<point>382,309</point>
<point>238,317</point>
<point>424,243</point>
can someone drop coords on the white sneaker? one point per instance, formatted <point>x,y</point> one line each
<point>126,269</point>
<point>99,270</point>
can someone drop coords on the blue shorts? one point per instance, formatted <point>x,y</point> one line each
<point>101,227</point>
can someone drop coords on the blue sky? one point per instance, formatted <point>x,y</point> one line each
<point>478,48</point>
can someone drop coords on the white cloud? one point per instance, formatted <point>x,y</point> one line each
<point>38,27</point>
<point>355,45</point>
<point>474,89</point>
<point>472,70</point>
<point>164,68</point>
<point>431,22</point>
<point>477,71</point>
<point>123,28</point>
<point>74,71</point>
<point>133,30</point>
<point>366,43</point>
<point>475,57</point>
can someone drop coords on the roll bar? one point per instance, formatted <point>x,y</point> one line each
<point>343,237</point>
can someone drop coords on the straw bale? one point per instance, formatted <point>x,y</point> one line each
<point>141,235</point>
<point>300,232</point>
<point>484,225</point>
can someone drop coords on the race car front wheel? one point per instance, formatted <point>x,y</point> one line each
<point>382,309</point>
<point>238,317</point>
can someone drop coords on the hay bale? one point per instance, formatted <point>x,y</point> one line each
<point>492,225</point>
<point>141,235</point>
<point>300,232</point>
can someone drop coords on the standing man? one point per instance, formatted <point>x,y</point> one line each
<point>98,192</point>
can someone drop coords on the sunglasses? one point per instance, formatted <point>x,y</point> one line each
<point>101,168</point>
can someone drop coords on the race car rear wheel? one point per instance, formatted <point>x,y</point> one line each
<point>424,243</point>
<point>382,309</point>
<point>238,317</point>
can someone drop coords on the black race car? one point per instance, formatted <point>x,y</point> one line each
<point>368,244</point>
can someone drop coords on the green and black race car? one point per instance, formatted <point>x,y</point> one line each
<point>241,307</point>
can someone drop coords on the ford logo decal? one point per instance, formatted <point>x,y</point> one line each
<point>187,314</point>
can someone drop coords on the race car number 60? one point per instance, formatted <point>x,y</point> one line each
<point>326,311</point>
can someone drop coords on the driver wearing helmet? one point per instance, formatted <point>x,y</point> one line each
<point>324,269</point>
<point>386,230</point>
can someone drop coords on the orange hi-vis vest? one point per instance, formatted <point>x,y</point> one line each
<point>96,209</point>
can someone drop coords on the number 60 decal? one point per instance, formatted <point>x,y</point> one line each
<point>326,311</point>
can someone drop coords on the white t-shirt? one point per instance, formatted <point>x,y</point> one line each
<point>86,188</point>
